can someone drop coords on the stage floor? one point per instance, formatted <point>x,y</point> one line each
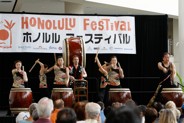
<point>4,118</point>
<point>3,113</point>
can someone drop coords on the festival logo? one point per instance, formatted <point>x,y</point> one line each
<point>59,48</point>
<point>6,34</point>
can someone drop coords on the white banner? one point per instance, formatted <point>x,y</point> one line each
<point>46,33</point>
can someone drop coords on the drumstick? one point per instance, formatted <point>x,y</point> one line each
<point>106,62</point>
<point>97,54</point>
<point>55,57</point>
<point>33,66</point>
<point>119,65</point>
<point>23,68</point>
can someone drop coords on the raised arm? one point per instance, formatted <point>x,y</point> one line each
<point>50,69</point>
<point>42,68</point>
<point>101,68</point>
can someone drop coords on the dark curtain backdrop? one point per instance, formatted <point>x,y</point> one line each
<point>140,69</point>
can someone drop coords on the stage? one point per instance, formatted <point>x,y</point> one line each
<point>4,118</point>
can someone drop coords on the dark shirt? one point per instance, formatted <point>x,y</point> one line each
<point>167,82</point>
<point>115,70</point>
<point>63,70</point>
<point>19,74</point>
<point>76,72</point>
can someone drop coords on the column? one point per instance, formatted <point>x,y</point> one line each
<point>181,38</point>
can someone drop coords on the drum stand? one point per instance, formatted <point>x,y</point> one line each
<point>81,90</point>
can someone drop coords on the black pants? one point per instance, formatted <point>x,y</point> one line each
<point>59,86</point>
<point>101,94</point>
<point>44,92</point>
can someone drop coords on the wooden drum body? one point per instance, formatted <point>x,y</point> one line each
<point>20,99</point>
<point>74,46</point>
<point>66,94</point>
<point>119,95</point>
<point>172,94</point>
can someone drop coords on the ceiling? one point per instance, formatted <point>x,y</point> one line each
<point>88,7</point>
<point>7,5</point>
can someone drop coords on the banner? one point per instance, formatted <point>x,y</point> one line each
<point>46,33</point>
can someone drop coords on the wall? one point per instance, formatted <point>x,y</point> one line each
<point>176,45</point>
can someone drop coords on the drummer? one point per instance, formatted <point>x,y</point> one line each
<point>19,75</point>
<point>167,71</point>
<point>76,70</point>
<point>61,74</point>
<point>43,85</point>
<point>42,76</point>
<point>112,73</point>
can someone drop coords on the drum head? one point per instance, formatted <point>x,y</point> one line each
<point>20,89</point>
<point>62,89</point>
<point>169,90</point>
<point>71,47</point>
<point>119,89</point>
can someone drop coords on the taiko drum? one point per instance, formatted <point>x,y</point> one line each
<point>66,94</point>
<point>74,46</point>
<point>119,95</point>
<point>20,99</point>
<point>172,94</point>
